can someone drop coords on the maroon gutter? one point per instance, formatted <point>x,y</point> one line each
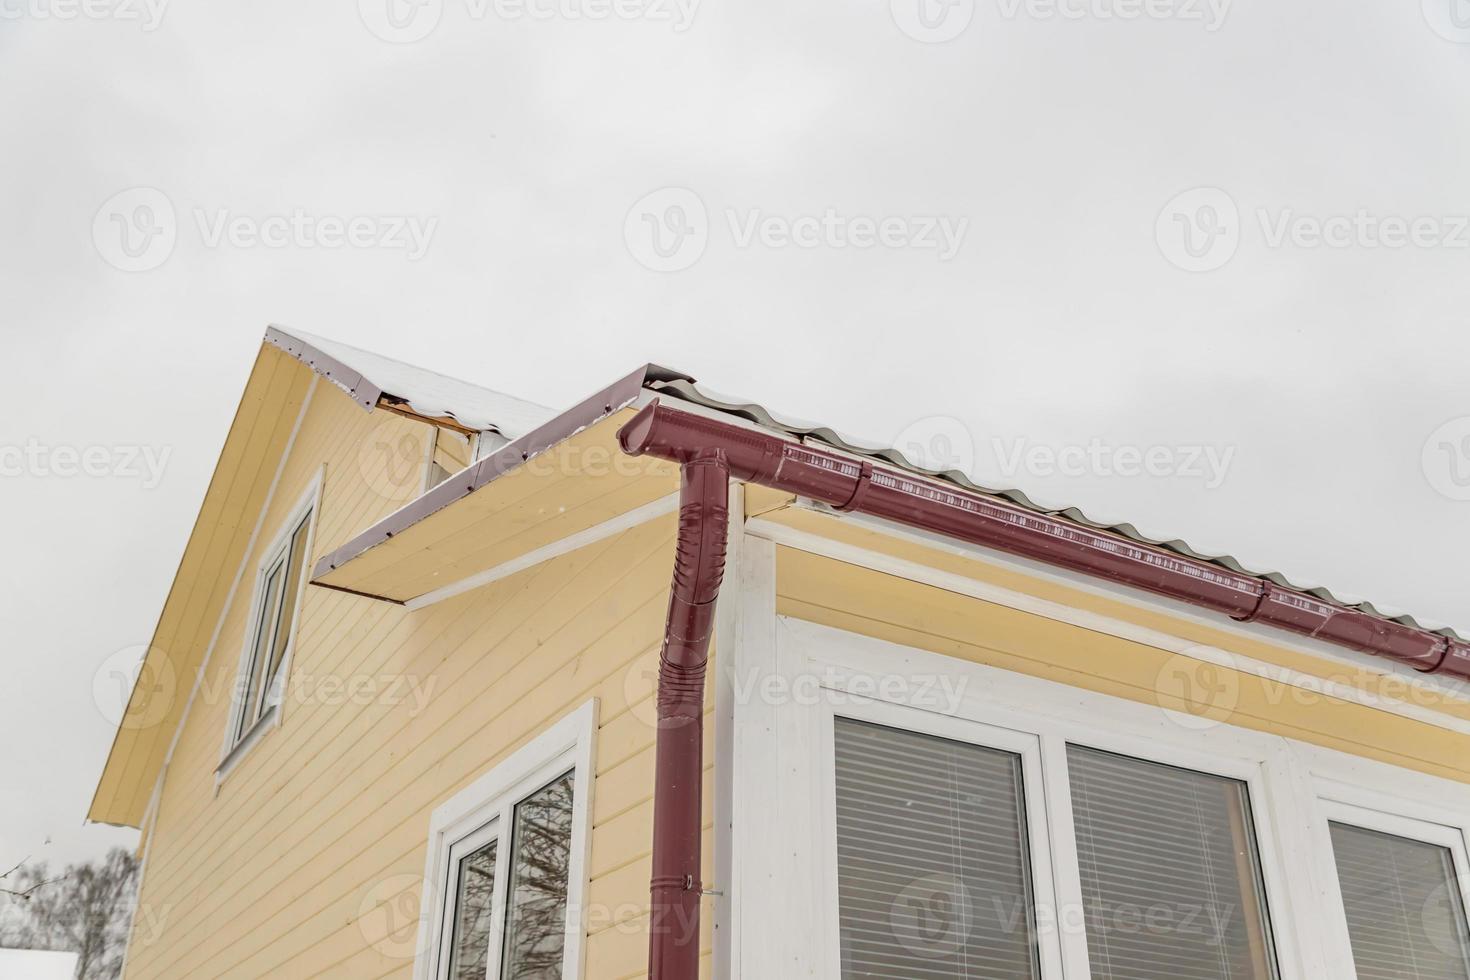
<point>712,451</point>
<point>699,566</point>
<point>852,485</point>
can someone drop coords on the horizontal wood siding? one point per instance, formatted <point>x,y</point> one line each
<point>845,596</point>
<point>308,860</point>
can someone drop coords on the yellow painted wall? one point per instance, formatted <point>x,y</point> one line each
<point>312,849</point>
<point>845,596</point>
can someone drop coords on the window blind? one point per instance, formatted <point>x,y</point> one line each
<point>933,871</point>
<point>1406,920</point>
<point>1171,883</point>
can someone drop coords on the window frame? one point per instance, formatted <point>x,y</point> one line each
<point>484,811</point>
<point>1290,786</point>
<point>1367,809</point>
<point>241,735</point>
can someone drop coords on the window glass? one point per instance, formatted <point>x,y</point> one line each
<point>1406,919</point>
<point>270,596</point>
<point>1171,882</point>
<point>295,560</point>
<point>541,849</point>
<point>473,903</point>
<point>933,870</point>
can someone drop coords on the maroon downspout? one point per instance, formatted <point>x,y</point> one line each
<point>856,485</point>
<point>699,565</point>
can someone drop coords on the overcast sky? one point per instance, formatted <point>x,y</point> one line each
<point>1225,243</point>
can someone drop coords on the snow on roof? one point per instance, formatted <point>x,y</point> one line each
<point>366,375</point>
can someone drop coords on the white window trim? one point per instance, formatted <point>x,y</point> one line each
<point>567,745</point>
<point>1284,779</point>
<point>308,505</point>
<point>1371,810</point>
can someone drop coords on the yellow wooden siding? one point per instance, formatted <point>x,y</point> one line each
<point>292,869</point>
<point>849,597</point>
<point>262,427</point>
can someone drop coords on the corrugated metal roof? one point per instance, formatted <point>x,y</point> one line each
<point>365,374</point>
<point>752,412</point>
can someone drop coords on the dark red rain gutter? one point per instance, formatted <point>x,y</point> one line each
<point>699,565</point>
<point>859,486</point>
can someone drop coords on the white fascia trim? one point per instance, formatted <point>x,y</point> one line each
<point>572,542</point>
<point>913,571</point>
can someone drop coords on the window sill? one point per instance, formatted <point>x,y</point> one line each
<point>242,748</point>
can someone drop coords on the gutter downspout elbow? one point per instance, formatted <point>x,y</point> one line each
<point>699,566</point>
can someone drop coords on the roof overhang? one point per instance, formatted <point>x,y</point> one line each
<point>557,483</point>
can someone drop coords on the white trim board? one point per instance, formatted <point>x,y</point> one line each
<point>816,544</point>
<point>569,743</point>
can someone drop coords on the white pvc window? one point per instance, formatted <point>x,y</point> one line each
<point>279,584</point>
<point>1402,885</point>
<point>505,866</point>
<point>1170,875</point>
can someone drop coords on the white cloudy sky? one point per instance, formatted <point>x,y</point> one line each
<point>1059,145</point>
